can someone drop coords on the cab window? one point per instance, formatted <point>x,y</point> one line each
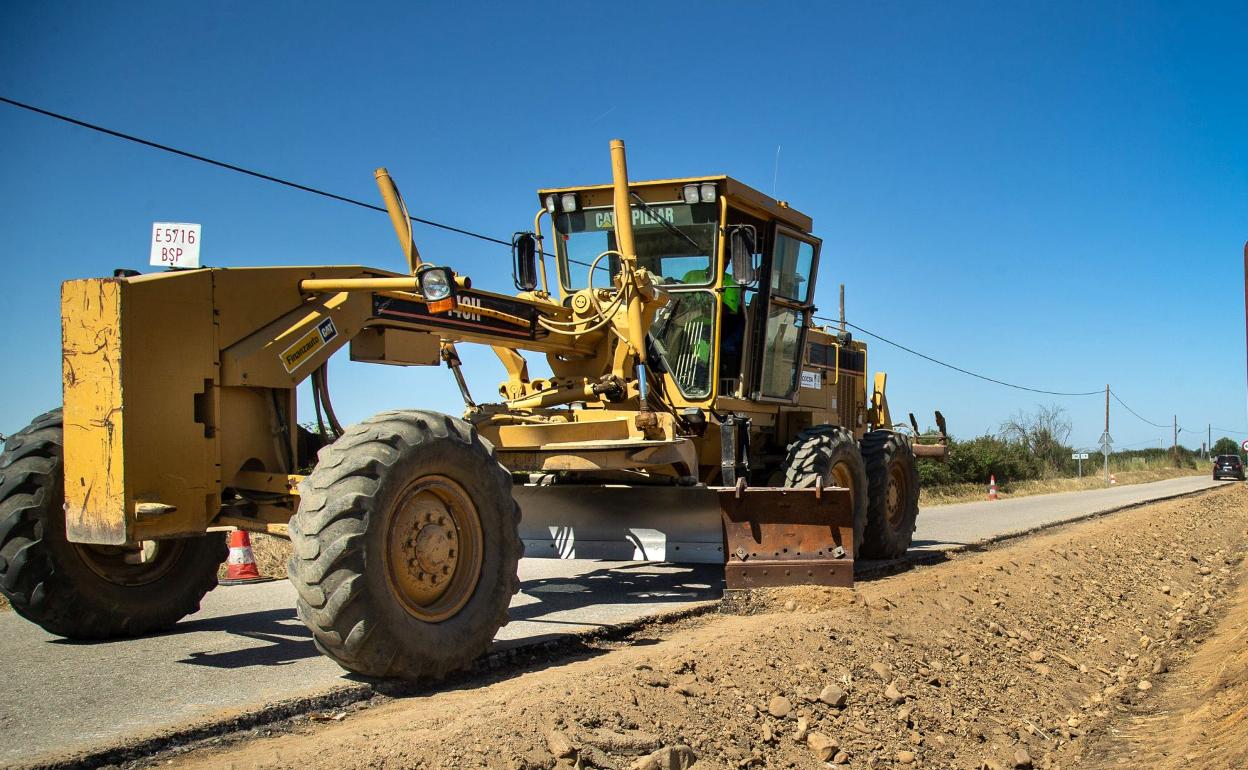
<point>782,340</point>
<point>683,334</point>
<point>791,267</point>
<point>678,249</point>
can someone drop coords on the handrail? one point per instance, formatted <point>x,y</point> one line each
<point>541,252</point>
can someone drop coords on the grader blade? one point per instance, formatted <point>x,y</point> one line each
<point>614,522</point>
<point>786,537</point>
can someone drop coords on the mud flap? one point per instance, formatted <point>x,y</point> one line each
<point>786,537</point>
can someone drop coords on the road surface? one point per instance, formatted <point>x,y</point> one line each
<point>246,648</point>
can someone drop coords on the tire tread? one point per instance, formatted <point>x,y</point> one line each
<point>34,575</point>
<point>329,535</point>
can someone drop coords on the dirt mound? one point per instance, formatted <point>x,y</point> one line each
<point>1016,657</point>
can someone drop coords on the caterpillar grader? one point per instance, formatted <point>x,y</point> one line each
<point>693,412</point>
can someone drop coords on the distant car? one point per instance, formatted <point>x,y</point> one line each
<point>1228,466</point>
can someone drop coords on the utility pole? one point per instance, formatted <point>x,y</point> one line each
<point>1208,440</point>
<point>842,308</point>
<point>1174,446</point>
<point>1105,438</point>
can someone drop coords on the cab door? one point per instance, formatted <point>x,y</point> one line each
<point>789,293</point>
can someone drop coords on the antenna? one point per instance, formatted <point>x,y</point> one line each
<point>775,178</point>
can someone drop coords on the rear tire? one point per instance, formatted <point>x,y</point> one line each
<point>84,591</point>
<point>405,546</point>
<point>893,497</point>
<point>830,453</point>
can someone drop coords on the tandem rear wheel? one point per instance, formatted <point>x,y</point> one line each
<point>881,473</point>
<point>405,546</point>
<point>83,591</point>
<point>893,494</point>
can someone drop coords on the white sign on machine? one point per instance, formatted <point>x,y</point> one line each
<point>175,244</point>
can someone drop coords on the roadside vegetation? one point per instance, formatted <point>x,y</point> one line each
<point>1030,454</point>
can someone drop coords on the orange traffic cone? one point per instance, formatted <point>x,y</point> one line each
<point>992,487</point>
<point>240,567</point>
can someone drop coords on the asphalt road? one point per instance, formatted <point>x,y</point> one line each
<point>245,647</point>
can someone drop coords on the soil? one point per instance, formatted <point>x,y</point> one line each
<point>1032,654</point>
<point>1199,717</point>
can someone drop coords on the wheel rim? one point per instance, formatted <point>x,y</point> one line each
<point>433,548</point>
<point>120,566</point>
<point>897,496</point>
<point>842,476</point>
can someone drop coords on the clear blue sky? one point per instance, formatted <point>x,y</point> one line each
<point>1055,194</point>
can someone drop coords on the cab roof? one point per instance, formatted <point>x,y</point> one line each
<point>664,190</point>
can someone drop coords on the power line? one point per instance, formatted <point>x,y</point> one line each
<point>489,239</point>
<point>240,169</point>
<point>1137,414</point>
<point>1003,382</point>
<point>958,368</point>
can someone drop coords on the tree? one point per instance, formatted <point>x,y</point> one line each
<point>1225,446</point>
<point>1042,434</point>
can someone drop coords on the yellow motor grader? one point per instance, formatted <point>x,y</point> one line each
<point>693,413</point>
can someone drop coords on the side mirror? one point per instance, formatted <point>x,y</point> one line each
<point>741,249</point>
<point>524,261</point>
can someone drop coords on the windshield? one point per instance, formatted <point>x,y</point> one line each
<point>677,259</point>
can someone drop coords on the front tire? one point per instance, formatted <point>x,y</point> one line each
<point>893,505</point>
<point>83,591</point>
<point>830,453</point>
<point>405,546</point>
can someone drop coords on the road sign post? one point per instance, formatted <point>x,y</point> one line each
<point>1080,456</point>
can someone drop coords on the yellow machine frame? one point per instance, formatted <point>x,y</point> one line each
<point>179,387</point>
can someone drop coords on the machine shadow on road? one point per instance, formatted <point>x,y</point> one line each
<point>644,583</point>
<point>287,639</point>
<point>593,601</point>
<point>548,611</point>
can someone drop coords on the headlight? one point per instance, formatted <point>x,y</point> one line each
<point>690,193</point>
<point>708,192</point>
<point>552,203</point>
<point>434,286</point>
<point>437,286</point>
<point>568,202</point>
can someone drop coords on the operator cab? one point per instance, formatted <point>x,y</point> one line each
<point>739,268</point>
